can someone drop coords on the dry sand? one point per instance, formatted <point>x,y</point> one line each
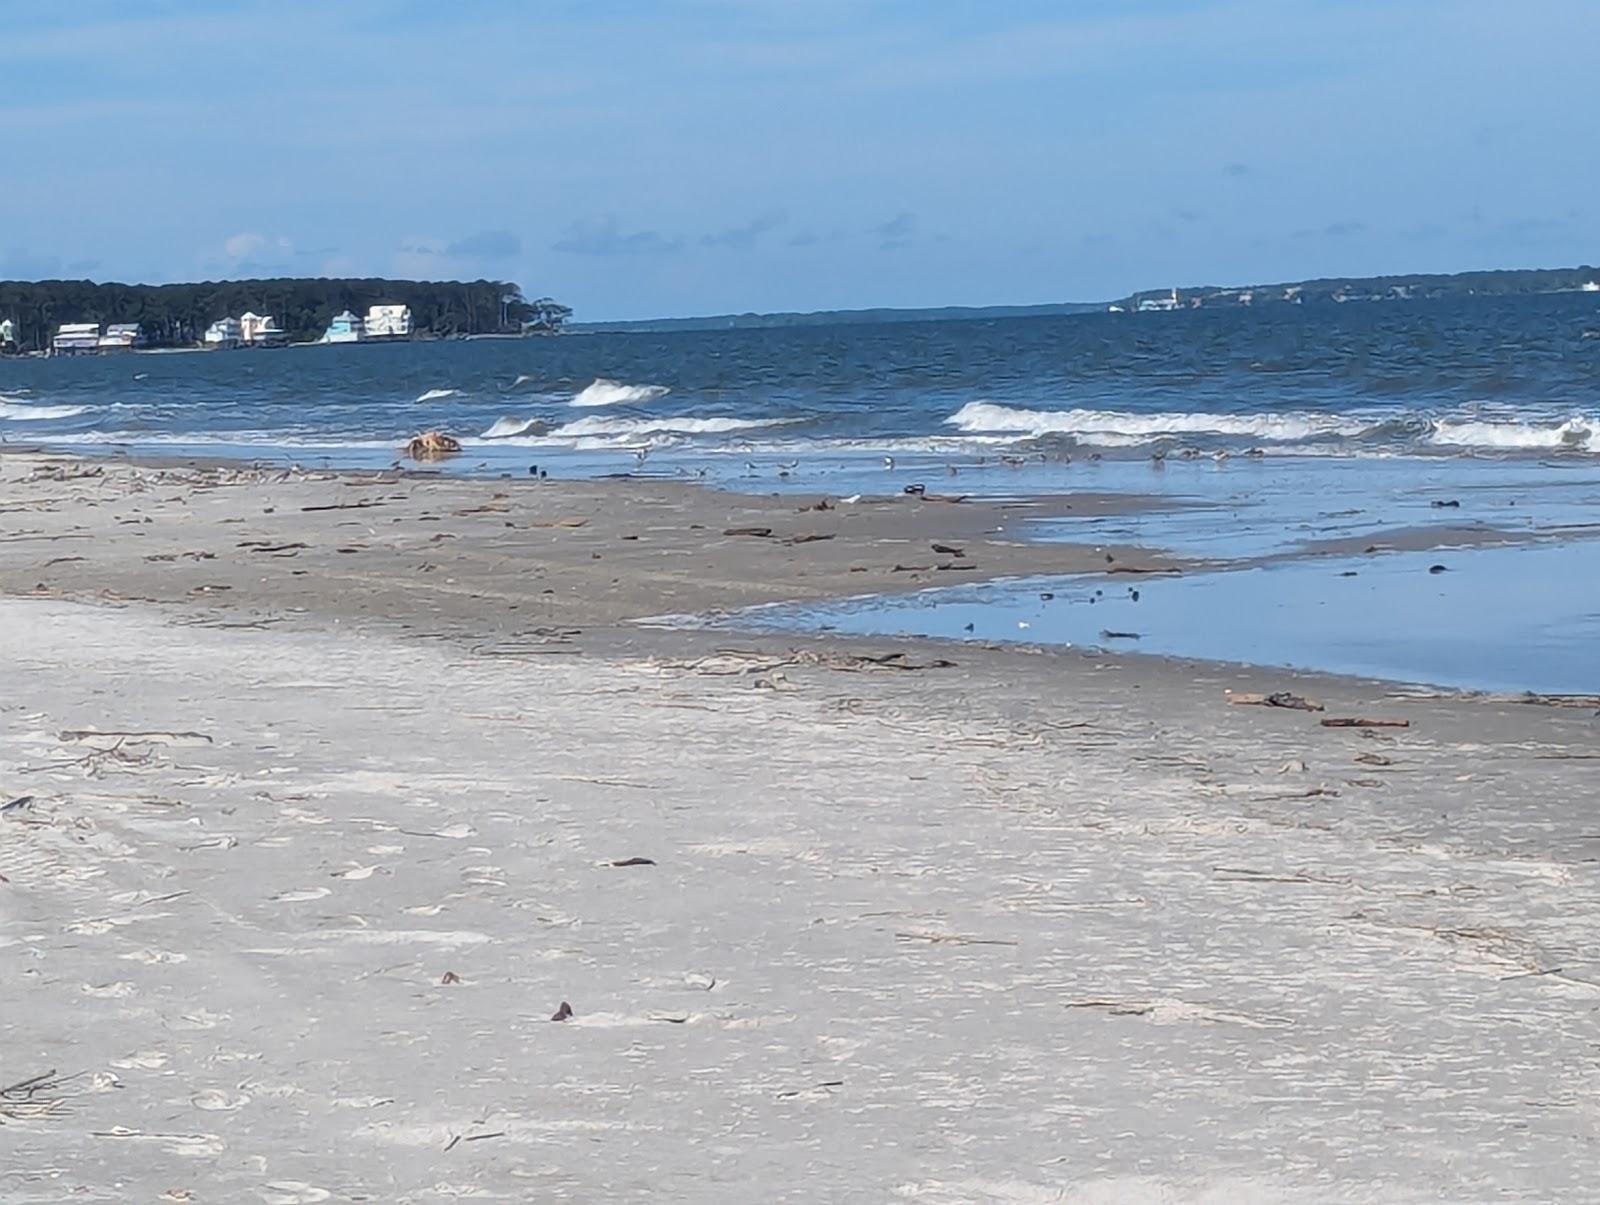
<point>311,861</point>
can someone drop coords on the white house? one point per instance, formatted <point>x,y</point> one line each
<point>122,336</point>
<point>389,322</point>
<point>1150,304</point>
<point>345,328</point>
<point>224,333</point>
<point>260,330</point>
<point>73,337</point>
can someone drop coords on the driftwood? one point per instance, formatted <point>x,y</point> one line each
<point>1363,722</point>
<point>431,445</point>
<point>1281,698</point>
<point>361,504</point>
<point>759,532</point>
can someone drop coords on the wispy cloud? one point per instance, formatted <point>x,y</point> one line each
<point>899,231</point>
<point>607,237</point>
<point>486,244</point>
<point>250,244</point>
<point>1345,229</point>
<point>746,235</point>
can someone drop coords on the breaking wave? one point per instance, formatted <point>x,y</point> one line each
<point>1291,432</point>
<point>684,425</point>
<point>1110,426</point>
<point>511,426</point>
<point>603,392</point>
<point>435,395</point>
<point>13,409</point>
<point>1576,434</point>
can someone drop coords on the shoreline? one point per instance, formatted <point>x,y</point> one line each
<point>480,557</point>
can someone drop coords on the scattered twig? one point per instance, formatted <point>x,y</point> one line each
<point>76,734</point>
<point>957,939</point>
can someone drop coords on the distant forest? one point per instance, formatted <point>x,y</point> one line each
<point>952,313</point>
<point>177,315</point>
<point>1413,287</point>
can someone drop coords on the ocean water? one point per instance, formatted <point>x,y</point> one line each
<point>1487,618</point>
<point>1278,432</point>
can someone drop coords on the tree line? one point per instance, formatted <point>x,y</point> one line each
<point>176,315</point>
<point>1499,282</point>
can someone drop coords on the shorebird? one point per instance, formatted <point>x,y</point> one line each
<point>888,462</point>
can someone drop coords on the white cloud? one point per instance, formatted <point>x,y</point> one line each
<point>242,246</point>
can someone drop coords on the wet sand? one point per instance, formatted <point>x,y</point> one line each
<point>319,841</point>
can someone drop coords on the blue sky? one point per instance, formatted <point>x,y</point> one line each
<point>701,156</point>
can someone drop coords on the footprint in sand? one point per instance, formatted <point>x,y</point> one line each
<point>293,1192</point>
<point>301,896</point>
<point>153,957</point>
<point>213,1101</point>
<point>108,991</point>
<point>141,1060</point>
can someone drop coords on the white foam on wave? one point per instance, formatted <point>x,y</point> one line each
<point>604,392</point>
<point>667,425</point>
<point>436,395</point>
<point>511,426</point>
<point>14,409</point>
<point>1117,428</point>
<point>1576,433</point>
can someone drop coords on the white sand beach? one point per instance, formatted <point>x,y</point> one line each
<point>309,846</point>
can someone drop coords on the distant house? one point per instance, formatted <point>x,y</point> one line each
<point>75,337</point>
<point>345,328</point>
<point>259,330</point>
<point>122,336</point>
<point>8,336</point>
<point>388,322</point>
<point>224,333</point>
<point>1591,286</point>
<point>1155,304</point>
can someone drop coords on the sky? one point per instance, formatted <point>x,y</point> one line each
<point>705,156</point>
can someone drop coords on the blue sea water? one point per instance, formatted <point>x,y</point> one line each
<point>1495,618</point>
<point>1272,431</point>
